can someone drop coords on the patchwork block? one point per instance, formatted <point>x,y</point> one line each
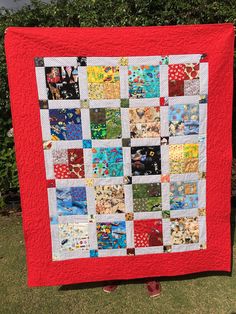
<point>103,82</point>
<point>144,81</point>
<point>62,82</point>
<point>65,124</point>
<point>148,233</point>
<point>184,79</point>
<point>111,235</point>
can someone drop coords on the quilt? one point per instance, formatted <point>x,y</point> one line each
<point>123,146</point>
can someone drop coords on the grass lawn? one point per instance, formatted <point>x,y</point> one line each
<point>208,293</point>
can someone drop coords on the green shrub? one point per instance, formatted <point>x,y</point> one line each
<point>94,13</point>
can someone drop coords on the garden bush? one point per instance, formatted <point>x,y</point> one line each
<point>92,13</point>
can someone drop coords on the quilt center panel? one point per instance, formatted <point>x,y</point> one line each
<point>124,142</point>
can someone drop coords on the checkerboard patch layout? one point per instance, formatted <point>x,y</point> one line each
<point>124,142</point>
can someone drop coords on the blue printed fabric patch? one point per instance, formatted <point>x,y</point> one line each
<point>184,119</point>
<point>111,235</point>
<point>183,195</point>
<point>65,124</point>
<point>144,81</point>
<point>107,162</point>
<point>71,201</point>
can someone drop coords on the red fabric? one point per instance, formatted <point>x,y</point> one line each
<point>22,46</point>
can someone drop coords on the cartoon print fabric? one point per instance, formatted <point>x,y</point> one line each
<point>125,153</point>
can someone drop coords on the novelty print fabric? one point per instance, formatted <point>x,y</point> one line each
<point>124,143</point>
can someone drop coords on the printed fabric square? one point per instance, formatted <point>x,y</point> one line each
<point>144,122</point>
<point>184,230</point>
<point>103,82</point>
<point>183,195</point>
<point>111,235</point>
<point>144,81</point>
<point>65,124</point>
<point>183,119</point>
<point>73,236</point>
<point>105,123</point>
<point>62,82</point>
<point>183,158</point>
<point>107,162</point>
<point>71,201</point>
<point>147,197</point>
<point>146,160</point>
<point>110,199</point>
<point>148,233</point>
<point>183,79</point>
<point>68,163</point>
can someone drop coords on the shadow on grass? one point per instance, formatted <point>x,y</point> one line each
<point>100,284</point>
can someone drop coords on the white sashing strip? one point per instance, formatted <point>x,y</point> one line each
<point>130,234</point>
<point>52,201</point>
<point>128,198</point>
<point>104,103</point>
<point>191,212</point>
<point>55,242</point>
<point>73,219</point>
<point>188,58</point>
<point>110,217</point>
<point>165,168</point>
<point>164,87</point>
<point>202,229</point>
<point>144,102</point>
<point>165,196</point>
<point>145,141</point>
<point>147,215</point>
<point>164,115</point>
<point>146,179</point>
<point>112,252</point>
<point>88,162</point>
<point>127,161</point>
<point>61,104</point>
<point>83,82</point>
<point>185,247</point>
<point>104,61</point>
<point>90,193</point>
<point>108,181</point>
<point>202,193</point>
<point>183,177</point>
<point>144,60</point>
<point>41,83</point>
<point>185,139</point>
<point>78,253</point>
<point>107,143</point>
<point>63,183</point>
<point>92,231</point>
<point>57,145</point>
<point>85,121</point>
<point>183,100</point>
<point>124,87</point>
<point>125,123</point>
<point>166,231</point>
<point>45,124</point>
<point>148,250</point>
<point>60,61</point>
<point>204,78</point>
<point>49,164</point>
<point>202,118</point>
<point>202,156</point>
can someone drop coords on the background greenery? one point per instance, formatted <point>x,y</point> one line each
<point>92,13</point>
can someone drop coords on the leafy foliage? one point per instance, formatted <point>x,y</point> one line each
<point>91,13</point>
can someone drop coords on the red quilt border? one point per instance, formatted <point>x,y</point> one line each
<point>22,46</point>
